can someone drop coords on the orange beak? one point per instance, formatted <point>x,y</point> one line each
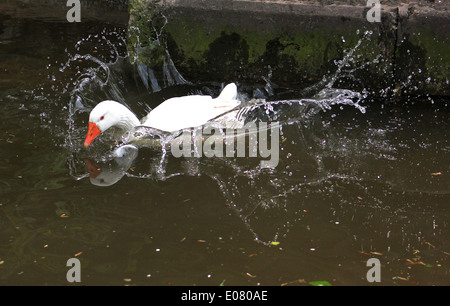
<point>92,133</point>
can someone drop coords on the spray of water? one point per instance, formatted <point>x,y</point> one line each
<point>247,188</point>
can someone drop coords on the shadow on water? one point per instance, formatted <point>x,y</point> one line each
<point>357,177</point>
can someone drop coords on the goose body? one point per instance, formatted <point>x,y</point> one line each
<point>172,115</point>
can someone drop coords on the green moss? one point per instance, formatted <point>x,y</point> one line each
<point>436,58</point>
<point>194,38</point>
<point>291,53</point>
<point>191,39</point>
<point>145,26</point>
<point>214,48</point>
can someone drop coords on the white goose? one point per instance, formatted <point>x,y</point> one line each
<point>170,116</point>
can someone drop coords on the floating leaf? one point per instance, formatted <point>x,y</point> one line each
<point>300,281</point>
<point>222,283</point>
<point>411,262</point>
<point>320,283</point>
<point>364,253</point>
<point>401,278</point>
<point>274,243</point>
<point>431,245</point>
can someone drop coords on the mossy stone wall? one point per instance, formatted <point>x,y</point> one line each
<point>223,41</point>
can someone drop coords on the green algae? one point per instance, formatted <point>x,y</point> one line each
<point>295,53</point>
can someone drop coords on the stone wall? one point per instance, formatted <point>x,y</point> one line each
<point>296,43</point>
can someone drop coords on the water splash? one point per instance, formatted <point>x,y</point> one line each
<point>307,143</point>
<point>153,46</point>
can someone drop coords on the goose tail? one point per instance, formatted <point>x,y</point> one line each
<point>229,93</point>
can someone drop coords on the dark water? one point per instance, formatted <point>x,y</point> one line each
<point>357,178</point>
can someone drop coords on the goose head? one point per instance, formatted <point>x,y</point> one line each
<point>109,114</point>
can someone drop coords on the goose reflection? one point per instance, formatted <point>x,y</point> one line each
<point>110,172</point>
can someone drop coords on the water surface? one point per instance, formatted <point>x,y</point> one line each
<point>358,177</point>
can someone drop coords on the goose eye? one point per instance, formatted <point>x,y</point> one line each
<point>102,117</point>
